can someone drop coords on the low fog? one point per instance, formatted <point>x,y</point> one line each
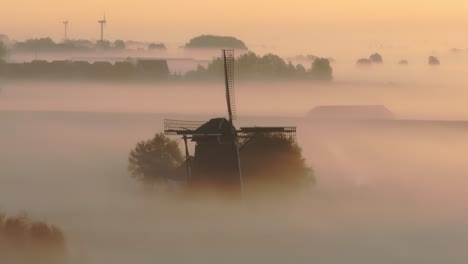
<point>386,192</point>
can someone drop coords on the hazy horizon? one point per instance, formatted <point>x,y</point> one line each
<point>386,192</point>
<point>317,28</point>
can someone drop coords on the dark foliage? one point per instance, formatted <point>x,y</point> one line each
<point>119,44</point>
<point>432,60</point>
<point>155,160</point>
<point>25,241</point>
<point>268,162</point>
<point>363,62</point>
<point>99,70</point>
<point>403,62</point>
<point>3,50</point>
<point>157,46</point>
<point>216,42</point>
<point>321,69</point>
<point>48,45</point>
<point>270,66</point>
<point>376,58</point>
<point>274,162</point>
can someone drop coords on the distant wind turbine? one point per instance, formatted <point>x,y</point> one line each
<point>102,22</point>
<point>65,23</point>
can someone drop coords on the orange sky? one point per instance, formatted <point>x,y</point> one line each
<point>256,22</point>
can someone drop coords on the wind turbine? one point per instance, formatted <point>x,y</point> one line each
<point>102,22</point>
<point>65,23</point>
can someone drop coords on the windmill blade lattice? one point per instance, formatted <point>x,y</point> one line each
<point>248,132</point>
<point>228,57</point>
<point>181,127</point>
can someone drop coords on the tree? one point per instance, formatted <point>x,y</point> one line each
<point>103,44</point>
<point>268,162</point>
<point>363,61</point>
<point>216,42</point>
<point>433,60</point>
<point>376,58</point>
<point>157,46</point>
<point>155,160</point>
<point>3,50</point>
<point>321,69</point>
<point>274,162</point>
<point>119,44</point>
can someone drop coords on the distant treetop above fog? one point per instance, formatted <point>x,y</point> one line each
<point>215,42</point>
<point>376,58</point>
<point>433,60</point>
<point>157,46</point>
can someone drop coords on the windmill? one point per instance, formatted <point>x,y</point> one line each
<point>102,22</point>
<point>65,23</point>
<point>216,161</point>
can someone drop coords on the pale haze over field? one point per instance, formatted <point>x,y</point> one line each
<point>386,192</point>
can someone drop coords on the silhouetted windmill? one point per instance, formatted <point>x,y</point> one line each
<point>102,22</point>
<point>216,163</point>
<point>65,23</point>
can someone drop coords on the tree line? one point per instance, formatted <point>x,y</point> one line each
<point>251,66</point>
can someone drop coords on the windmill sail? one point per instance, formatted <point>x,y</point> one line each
<point>248,132</point>
<point>181,127</point>
<point>228,57</point>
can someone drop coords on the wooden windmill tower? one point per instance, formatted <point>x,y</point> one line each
<point>216,164</point>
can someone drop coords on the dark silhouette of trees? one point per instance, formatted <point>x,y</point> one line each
<point>25,241</point>
<point>3,50</point>
<point>215,42</point>
<point>103,44</point>
<point>432,60</point>
<point>321,69</point>
<point>363,62</point>
<point>157,46</point>
<point>48,45</point>
<point>270,66</point>
<point>119,44</point>
<point>376,58</point>
<point>155,160</point>
<point>403,62</point>
<point>271,162</point>
<point>275,163</point>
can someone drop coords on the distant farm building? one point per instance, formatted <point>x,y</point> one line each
<point>153,69</point>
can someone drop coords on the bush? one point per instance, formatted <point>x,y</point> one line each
<point>26,241</point>
<point>274,162</point>
<point>321,69</point>
<point>119,44</point>
<point>376,58</point>
<point>216,42</point>
<point>155,160</point>
<point>268,162</point>
<point>250,66</point>
<point>3,50</point>
<point>433,60</point>
<point>157,46</point>
<point>363,61</point>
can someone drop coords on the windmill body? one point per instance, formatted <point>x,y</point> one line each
<point>216,165</point>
